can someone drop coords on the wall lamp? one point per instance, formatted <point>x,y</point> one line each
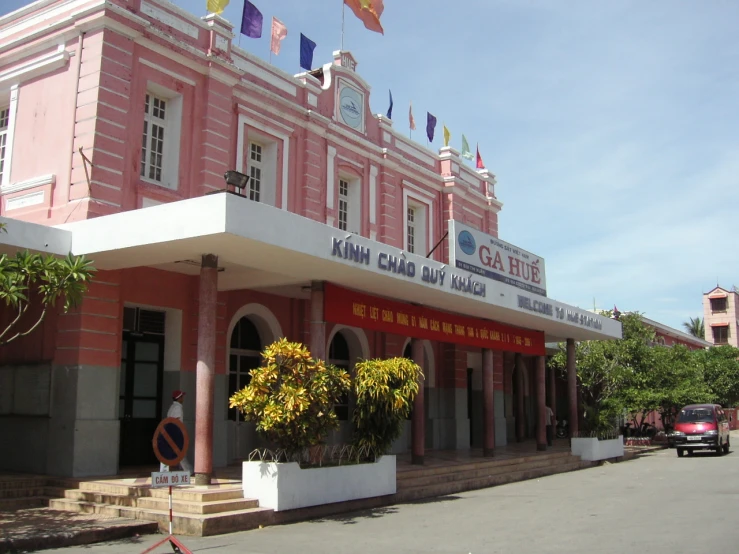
<point>236,179</point>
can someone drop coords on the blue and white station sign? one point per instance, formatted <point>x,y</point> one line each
<point>482,254</point>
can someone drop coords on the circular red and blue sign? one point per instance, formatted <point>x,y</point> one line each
<point>170,441</point>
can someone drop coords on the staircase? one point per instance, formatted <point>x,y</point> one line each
<point>425,482</point>
<point>21,492</point>
<point>196,511</point>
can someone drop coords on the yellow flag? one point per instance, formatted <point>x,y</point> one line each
<point>217,6</point>
<point>447,136</point>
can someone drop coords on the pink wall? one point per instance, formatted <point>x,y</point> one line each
<point>95,101</point>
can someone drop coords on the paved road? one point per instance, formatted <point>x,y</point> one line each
<point>654,504</point>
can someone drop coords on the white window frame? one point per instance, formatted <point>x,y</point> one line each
<point>249,129</point>
<point>9,133</point>
<point>353,199</point>
<point>423,224</point>
<point>256,173</point>
<point>267,166</point>
<point>172,135</point>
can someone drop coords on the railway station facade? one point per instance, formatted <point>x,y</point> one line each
<point>120,119</point>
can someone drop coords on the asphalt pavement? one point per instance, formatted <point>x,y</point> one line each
<point>658,503</point>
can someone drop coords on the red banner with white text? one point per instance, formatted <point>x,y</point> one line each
<point>356,309</point>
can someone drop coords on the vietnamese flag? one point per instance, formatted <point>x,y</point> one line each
<point>368,12</point>
<point>480,164</point>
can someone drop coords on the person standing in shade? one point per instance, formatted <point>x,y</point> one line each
<point>551,422</point>
<point>176,411</point>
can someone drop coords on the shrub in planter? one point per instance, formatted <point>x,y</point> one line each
<point>291,397</point>
<point>384,391</point>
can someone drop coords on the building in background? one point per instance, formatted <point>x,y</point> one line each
<point>721,316</point>
<point>669,336</point>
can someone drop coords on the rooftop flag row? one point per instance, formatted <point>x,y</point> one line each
<point>367,11</point>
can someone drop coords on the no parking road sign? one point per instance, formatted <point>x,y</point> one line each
<point>170,441</point>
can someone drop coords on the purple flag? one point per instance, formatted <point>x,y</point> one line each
<point>251,21</point>
<point>430,126</point>
<point>306,52</point>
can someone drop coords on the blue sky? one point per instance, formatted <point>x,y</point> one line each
<point>612,127</point>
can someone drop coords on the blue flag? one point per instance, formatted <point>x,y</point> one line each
<point>430,126</point>
<point>306,52</point>
<point>251,21</point>
<point>390,109</point>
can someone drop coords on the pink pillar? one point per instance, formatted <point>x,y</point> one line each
<point>317,323</point>
<point>572,388</point>
<point>488,403</point>
<point>552,389</point>
<point>418,421</point>
<point>520,427</point>
<point>541,400</point>
<point>204,394</point>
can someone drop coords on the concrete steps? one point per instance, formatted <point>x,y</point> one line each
<point>196,511</point>
<point>445,480</point>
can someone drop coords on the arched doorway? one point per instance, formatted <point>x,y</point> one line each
<point>346,346</point>
<point>252,328</point>
<point>244,355</point>
<point>430,399</point>
<point>338,355</point>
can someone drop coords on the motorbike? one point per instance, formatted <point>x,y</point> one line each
<point>563,429</point>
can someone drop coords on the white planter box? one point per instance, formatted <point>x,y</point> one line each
<point>285,486</point>
<point>592,450</point>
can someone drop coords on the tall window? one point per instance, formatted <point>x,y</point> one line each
<point>411,228</point>
<point>255,170</point>
<point>152,145</point>
<point>721,334</point>
<point>343,204</point>
<point>415,227</point>
<point>718,304</point>
<point>244,355</point>
<point>4,119</point>
<point>338,355</point>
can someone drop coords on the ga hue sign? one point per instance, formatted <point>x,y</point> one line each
<point>482,254</point>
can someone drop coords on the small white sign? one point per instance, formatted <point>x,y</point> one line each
<point>170,479</point>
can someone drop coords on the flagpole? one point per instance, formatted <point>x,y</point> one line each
<point>343,11</point>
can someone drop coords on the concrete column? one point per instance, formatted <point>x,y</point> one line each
<point>572,388</point>
<point>552,389</point>
<point>488,404</point>
<point>541,400</point>
<point>205,373</point>
<point>317,322</point>
<point>520,423</point>
<point>418,423</point>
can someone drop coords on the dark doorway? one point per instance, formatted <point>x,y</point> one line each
<point>142,373</point>
<point>469,404</point>
<point>338,355</point>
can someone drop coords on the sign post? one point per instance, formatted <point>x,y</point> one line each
<point>170,444</point>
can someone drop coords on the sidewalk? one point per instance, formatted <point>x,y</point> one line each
<point>38,528</point>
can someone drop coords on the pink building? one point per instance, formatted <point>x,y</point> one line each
<point>721,316</point>
<point>119,120</point>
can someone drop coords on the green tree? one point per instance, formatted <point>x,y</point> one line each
<point>384,390</point>
<point>28,280</point>
<point>695,327</point>
<point>613,375</point>
<point>677,380</point>
<point>291,397</point>
<point>720,367</point>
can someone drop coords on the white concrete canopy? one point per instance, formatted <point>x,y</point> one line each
<point>264,248</point>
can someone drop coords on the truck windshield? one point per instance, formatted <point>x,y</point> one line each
<point>700,415</point>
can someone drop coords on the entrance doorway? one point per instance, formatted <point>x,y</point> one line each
<point>142,373</point>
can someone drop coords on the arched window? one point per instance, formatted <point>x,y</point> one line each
<point>338,355</point>
<point>244,355</point>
